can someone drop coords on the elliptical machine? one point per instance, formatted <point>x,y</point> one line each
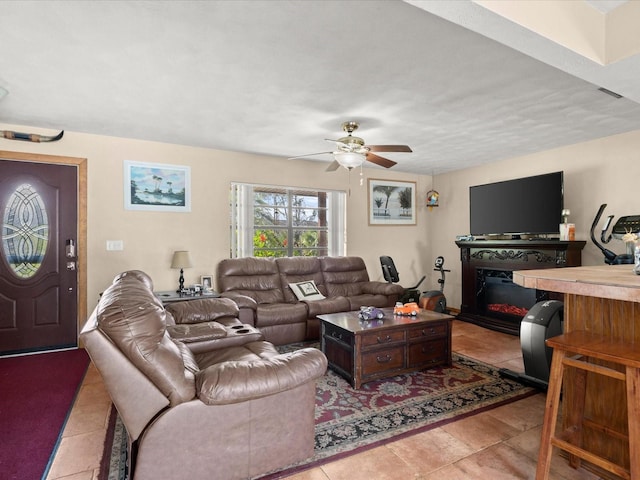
<point>435,299</point>
<point>628,224</point>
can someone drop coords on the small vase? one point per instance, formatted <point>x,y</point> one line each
<point>631,246</point>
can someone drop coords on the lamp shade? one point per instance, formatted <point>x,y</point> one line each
<point>181,259</point>
<point>349,159</point>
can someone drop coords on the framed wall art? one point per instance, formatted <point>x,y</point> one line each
<point>391,202</point>
<point>157,187</point>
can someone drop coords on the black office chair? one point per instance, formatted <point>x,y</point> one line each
<point>391,275</point>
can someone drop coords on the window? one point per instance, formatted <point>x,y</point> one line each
<point>271,221</point>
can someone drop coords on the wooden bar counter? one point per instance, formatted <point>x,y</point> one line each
<point>602,299</point>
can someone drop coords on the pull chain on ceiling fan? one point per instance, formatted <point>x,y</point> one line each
<point>352,151</point>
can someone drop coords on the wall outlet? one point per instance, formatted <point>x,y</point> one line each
<point>115,245</point>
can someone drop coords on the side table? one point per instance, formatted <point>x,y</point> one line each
<point>171,296</point>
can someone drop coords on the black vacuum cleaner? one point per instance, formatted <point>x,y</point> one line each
<point>544,320</point>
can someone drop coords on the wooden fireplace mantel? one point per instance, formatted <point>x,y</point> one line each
<point>508,255</point>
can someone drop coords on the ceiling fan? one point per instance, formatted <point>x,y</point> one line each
<point>351,151</point>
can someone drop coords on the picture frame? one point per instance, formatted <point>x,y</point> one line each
<point>157,187</point>
<point>207,282</point>
<point>391,202</point>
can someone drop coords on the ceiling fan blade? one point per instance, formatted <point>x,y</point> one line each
<point>389,148</point>
<point>308,155</point>
<point>383,162</point>
<point>333,166</point>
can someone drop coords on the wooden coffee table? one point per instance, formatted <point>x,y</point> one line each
<point>362,351</point>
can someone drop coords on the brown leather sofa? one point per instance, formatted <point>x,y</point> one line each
<point>260,287</point>
<point>218,403</point>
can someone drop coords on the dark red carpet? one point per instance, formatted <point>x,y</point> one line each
<point>36,395</point>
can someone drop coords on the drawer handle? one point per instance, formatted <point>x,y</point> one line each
<point>336,335</point>
<point>385,359</point>
<point>387,339</point>
<point>432,331</point>
<point>427,349</point>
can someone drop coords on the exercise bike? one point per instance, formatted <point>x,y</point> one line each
<point>429,300</point>
<point>390,274</point>
<point>435,299</point>
<point>624,225</point>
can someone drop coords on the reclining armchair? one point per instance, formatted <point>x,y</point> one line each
<point>232,410</point>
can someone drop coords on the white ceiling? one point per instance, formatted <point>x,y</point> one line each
<point>278,77</point>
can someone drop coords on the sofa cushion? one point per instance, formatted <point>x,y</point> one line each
<point>348,277</point>
<point>344,276</point>
<point>280,314</point>
<point>328,305</point>
<point>306,290</point>
<point>247,352</point>
<point>299,269</point>
<point>202,310</point>
<point>197,332</point>
<point>257,278</point>
<point>367,300</point>
<point>243,380</point>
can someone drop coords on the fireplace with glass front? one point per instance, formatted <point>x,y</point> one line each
<point>489,296</point>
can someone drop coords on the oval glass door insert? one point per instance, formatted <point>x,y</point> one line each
<point>25,231</point>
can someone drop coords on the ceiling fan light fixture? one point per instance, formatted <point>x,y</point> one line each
<point>349,159</point>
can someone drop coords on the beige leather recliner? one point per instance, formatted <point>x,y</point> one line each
<point>233,412</point>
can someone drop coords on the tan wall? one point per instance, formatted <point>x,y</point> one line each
<point>601,171</point>
<point>151,237</point>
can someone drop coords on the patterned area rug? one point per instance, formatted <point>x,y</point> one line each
<point>349,421</point>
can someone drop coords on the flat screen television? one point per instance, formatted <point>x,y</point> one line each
<point>530,205</point>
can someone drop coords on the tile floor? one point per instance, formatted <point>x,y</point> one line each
<point>499,444</point>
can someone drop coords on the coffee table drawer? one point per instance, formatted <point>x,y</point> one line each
<point>427,353</point>
<point>383,360</point>
<point>331,331</point>
<point>428,331</point>
<point>382,338</point>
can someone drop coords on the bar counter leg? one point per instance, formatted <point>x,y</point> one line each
<point>575,414</point>
<point>550,415</point>
<point>633,418</point>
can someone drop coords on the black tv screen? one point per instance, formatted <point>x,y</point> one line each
<point>531,205</point>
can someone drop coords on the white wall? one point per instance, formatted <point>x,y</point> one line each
<point>151,237</point>
<point>606,170</point>
<point>601,171</point>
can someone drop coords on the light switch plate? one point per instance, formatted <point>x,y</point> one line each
<point>115,245</point>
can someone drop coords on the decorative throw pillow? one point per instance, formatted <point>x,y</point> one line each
<point>307,291</point>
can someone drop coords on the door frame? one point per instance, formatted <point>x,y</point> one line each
<point>81,163</point>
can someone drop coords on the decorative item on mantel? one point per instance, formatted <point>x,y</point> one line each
<point>433,197</point>
<point>181,259</point>
<point>630,240</point>
<point>567,230</point>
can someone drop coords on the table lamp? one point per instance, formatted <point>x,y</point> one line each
<point>181,260</point>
